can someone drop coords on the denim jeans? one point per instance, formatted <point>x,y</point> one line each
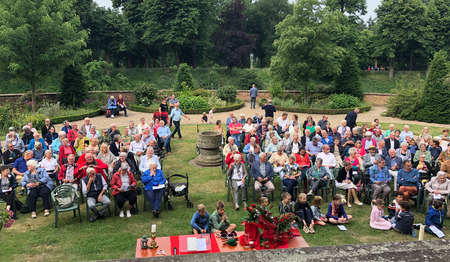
<point>154,198</point>
<point>252,102</point>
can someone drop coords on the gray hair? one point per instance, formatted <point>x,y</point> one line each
<point>237,157</point>
<point>353,150</point>
<point>124,166</point>
<point>62,133</point>
<point>292,156</point>
<point>90,170</point>
<point>252,139</point>
<point>392,149</point>
<point>26,128</point>
<point>150,163</point>
<point>440,173</point>
<point>279,148</point>
<point>229,138</point>
<point>319,160</point>
<point>261,154</point>
<point>403,144</point>
<point>123,154</point>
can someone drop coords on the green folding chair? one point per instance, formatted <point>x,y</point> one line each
<point>65,192</point>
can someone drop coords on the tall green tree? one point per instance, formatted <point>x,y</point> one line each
<point>348,81</point>
<point>263,16</point>
<point>184,78</point>
<point>305,50</point>
<point>73,88</point>
<point>400,27</point>
<point>435,106</point>
<point>232,43</point>
<point>38,37</point>
<point>351,7</point>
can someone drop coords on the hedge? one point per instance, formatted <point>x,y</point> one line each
<point>362,109</point>
<point>239,105</point>
<point>60,119</point>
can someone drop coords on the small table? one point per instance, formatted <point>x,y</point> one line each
<point>163,243</point>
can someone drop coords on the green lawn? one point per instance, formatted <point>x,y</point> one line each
<point>416,129</point>
<point>115,237</point>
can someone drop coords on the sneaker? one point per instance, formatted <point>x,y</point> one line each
<point>112,116</point>
<point>21,192</point>
<point>359,203</point>
<point>93,218</point>
<point>311,229</point>
<point>14,217</point>
<point>46,213</point>
<point>156,213</point>
<point>236,207</point>
<point>310,194</point>
<point>349,205</point>
<point>128,213</point>
<point>121,213</point>
<point>33,215</point>
<point>306,229</point>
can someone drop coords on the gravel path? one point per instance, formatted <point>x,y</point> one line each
<point>101,121</point>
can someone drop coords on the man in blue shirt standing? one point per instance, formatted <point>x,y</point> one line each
<point>253,95</point>
<point>175,116</point>
<point>172,102</point>
<point>164,136</point>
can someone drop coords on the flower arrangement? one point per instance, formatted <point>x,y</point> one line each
<point>252,214</point>
<point>5,218</point>
<point>284,222</point>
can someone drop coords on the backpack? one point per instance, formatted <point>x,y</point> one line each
<point>21,206</point>
<point>108,113</point>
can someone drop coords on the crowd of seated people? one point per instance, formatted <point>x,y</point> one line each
<point>99,164</point>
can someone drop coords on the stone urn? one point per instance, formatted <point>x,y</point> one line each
<point>208,146</point>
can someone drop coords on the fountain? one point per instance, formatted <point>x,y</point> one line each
<point>208,146</point>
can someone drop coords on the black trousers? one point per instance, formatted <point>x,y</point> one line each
<point>9,198</point>
<point>177,129</point>
<point>33,195</point>
<point>129,195</point>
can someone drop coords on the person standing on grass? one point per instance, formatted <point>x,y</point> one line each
<point>172,103</point>
<point>253,95</point>
<point>351,118</point>
<point>270,109</point>
<point>175,116</point>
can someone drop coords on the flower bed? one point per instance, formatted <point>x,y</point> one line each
<point>317,110</point>
<point>238,105</point>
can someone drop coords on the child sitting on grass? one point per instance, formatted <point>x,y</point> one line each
<point>394,207</point>
<point>204,118</point>
<point>403,221</point>
<point>435,216</point>
<point>219,220</point>
<point>376,217</point>
<point>319,218</point>
<point>303,212</point>
<point>336,213</point>
<point>200,221</point>
<point>286,206</point>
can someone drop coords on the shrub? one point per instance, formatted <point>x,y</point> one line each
<point>145,93</point>
<point>435,103</point>
<point>122,82</point>
<point>73,87</point>
<point>249,78</point>
<point>214,101</point>
<point>184,75</point>
<point>227,93</point>
<point>337,101</point>
<point>406,103</point>
<point>211,81</point>
<point>49,109</point>
<point>275,90</point>
<point>96,77</point>
<point>26,98</point>
<point>348,82</point>
<point>192,102</point>
<point>202,92</point>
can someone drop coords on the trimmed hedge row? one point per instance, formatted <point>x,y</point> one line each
<point>144,109</point>
<point>60,119</point>
<point>319,111</point>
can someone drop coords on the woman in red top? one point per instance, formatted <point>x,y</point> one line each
<point>302,159</point>
<point>73,133</point>
<point>65,150</point>
<point>123,185</point>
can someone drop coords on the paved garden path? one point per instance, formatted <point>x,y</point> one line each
<point>101,121</point>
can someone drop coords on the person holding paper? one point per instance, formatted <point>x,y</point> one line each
<point>200,221</point>
<point>435,218</point>
<point>237,173</point>
<point>154,182</point>
<point>290,174</point>
<point>219,220</point>
<point>438,188</point>
<point>8,186</point>
<point>123,184</point>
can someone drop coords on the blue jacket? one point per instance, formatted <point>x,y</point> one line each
<point>41,176</point>
<point>374,170</point>
<point>112,104</point>
<point>408,178</point>
<point>151,181</point>
<point>435,217</point>
<point>330,141</point>
<point>255,171</point>
<point>340,213</point>
<point>31,145</point>
<point>200,222</point>
<point>398,161</point>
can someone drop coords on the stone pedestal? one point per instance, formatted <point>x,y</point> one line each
<point>208,145</point>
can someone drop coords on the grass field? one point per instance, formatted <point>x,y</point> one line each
<point>207,78</point>
<point>38,240</point>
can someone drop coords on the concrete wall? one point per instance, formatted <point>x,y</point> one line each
<point>373,98</point>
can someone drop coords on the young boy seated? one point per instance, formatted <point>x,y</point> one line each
<point>286,205</point>
<point>219,220</point>
<point>336,213</point>
<point>200,221</point>
<point>394,207</point>
<point>403,220</point>
<point>435,216</point>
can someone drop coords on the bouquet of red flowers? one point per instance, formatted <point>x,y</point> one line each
<point>284,222</point>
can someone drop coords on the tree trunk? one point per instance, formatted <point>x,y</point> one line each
<point>391,68</point>
<point>146,62</point>
<point>108,60</point>
<point>376,63</point>
<point>305,92</point>
<point>33,96</point>
<point>128,61</point>
<point>411,62</point>
<point>428,68</point>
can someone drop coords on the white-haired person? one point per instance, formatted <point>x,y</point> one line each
<point>406,132</point>
<point>230,146</point>
<point>94,187</point>
<point>438,187</point>
<point>262,172</point>
<point>163,133</point>
<point>237,174</point>
<point>138,146</point>
<point>38,152</point>
<point>50,165</point>
<point>123,185</point>
<point>38,184</point>
<point>403,152</point>
<point>154,183</point>
<point>112,105</point>
<point>149,156</point>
